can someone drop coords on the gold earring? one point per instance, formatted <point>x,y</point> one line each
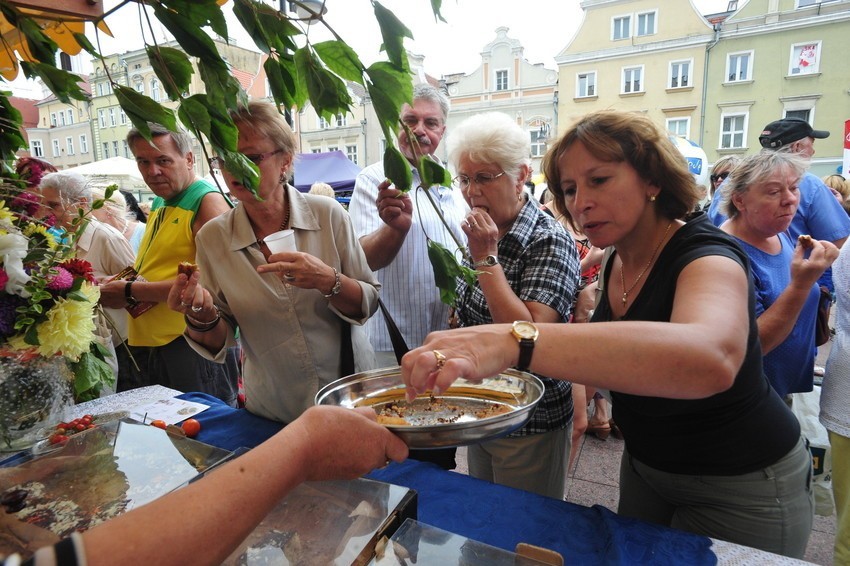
<point>652,198</point>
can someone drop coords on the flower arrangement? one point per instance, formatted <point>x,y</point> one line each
<point>47,298</point>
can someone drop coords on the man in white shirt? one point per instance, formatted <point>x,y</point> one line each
<point>394,228</point>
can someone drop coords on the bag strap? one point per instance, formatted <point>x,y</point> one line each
<point>603,272</point>
<point>399,345</point>
<point>346,355</point>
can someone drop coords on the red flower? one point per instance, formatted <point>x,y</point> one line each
<point>80,268</point>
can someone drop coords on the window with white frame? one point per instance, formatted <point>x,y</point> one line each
<point>632,80</point>
<point>140,87</point>
<point>351,153</point>
<point>323,124</point>
<point>805,58</point>
<point>807,3</point>
<point>36,148</point>
<point>679,126</point>
<point>538,142</point>
<point>112,116</point>
<point>621,27</point>
<point>502,80</point>
<point>680,74</point>
<point>333,148</point>
<point>645,24</point>
<point>739,67</point>
<point>341,120</point>
<point>100,89</point>
<point>57,151</point>
<point>155,90</point>
<point>801,114</point>
<point>101,114</point>
<point>127,150</point>
<point>69,145</point>
<point>105,150</point>
<point>316,150</point>
<point>84,144</point>
<point>586,84</point>
<point>61,117</point>
<point>122,116</point>
<point>53,122</point>
<point>733,131</point>
<point>115,148</point>
<point>69,116</point>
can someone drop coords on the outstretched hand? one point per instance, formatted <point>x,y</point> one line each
<point>472,353</point>
<point>340,443</point>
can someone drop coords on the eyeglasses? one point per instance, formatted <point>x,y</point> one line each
<point>719,177</point>
<point>483,179</point>
<point>255,158</point>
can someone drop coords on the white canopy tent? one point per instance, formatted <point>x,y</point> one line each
<point>116,170</point>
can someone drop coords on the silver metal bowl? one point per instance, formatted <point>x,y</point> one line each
<point>513,394</point>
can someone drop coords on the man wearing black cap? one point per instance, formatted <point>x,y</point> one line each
<point>819,214</point>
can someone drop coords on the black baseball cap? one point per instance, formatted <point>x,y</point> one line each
<point>788,130</point>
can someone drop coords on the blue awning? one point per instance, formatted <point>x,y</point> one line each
<point>333,168</point>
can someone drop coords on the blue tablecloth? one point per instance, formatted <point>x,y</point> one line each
<point>493,514</point>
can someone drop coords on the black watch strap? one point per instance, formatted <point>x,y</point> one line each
<point>526,349</point>
<point>128,293</point>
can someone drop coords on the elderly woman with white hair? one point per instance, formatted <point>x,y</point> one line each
<point>528,269</point>
<point>116,212</point>
<point>63,194</point>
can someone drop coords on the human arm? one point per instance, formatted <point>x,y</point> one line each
<point>396,211</point>
<point>186,526</point>
<point>686,358</point>
<point>306,271</point>
<point>186,295</point>
<point>213,204</point>
<point>777,321</point>
<point>113,294</point>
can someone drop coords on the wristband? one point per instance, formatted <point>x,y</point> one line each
<point>337,285</point>
<point>128,294</point>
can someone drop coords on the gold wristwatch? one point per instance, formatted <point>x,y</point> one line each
<point>526,334</point>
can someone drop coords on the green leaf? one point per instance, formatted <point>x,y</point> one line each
<point>397,169</point>
<point>281,83</point>
<point>91,373</point>
<point>194,115</point>
<point>173,68</point>
<point>341,59</point>
<point>243,170</point>
<point>84,42</point>
<point>389,88</point>
<point>61,83</point>
<point>39,44</point>
<point>11,138</point>
<point>432,173</point>
<point>435,7</point>
<point>328,93</point>
<point>446,271</point>
<point>222,87</point>
<point>393,33</point>
<point>141,110</point>
<point>269,29</point>
<point>201,13</point>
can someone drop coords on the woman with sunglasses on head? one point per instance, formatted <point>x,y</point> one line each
<point>710,447</point>
<point>528,269</point>
<point>722,168</point>
<point>299,313</point>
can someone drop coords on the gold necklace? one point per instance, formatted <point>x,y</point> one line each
<point>285,223</point>
<point>642,271</point>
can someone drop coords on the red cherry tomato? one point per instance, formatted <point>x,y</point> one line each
<point>191,427</point>
<point>58,438</point>
<point>159,424</point>
<point>81,426</point>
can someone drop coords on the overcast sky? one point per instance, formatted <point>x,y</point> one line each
<point>543,27</point>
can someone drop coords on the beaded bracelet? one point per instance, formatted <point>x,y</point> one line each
<point>337,285</point>
<point>199,326</point>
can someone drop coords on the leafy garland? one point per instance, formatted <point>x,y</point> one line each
<point>315,73</point>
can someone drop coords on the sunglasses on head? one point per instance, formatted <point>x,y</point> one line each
<point>719,177</point>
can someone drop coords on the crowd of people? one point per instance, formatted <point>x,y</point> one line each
<point>611,288</point>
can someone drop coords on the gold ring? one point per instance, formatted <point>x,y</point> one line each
<point>441,359</point>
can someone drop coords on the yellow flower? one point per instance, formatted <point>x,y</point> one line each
<point>33,228</point>
<point>69,328</point>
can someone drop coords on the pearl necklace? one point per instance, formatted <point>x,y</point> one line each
<point>642,271</point>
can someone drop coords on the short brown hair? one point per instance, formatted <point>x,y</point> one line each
<point>628,137</point>
<point>266,119</point>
